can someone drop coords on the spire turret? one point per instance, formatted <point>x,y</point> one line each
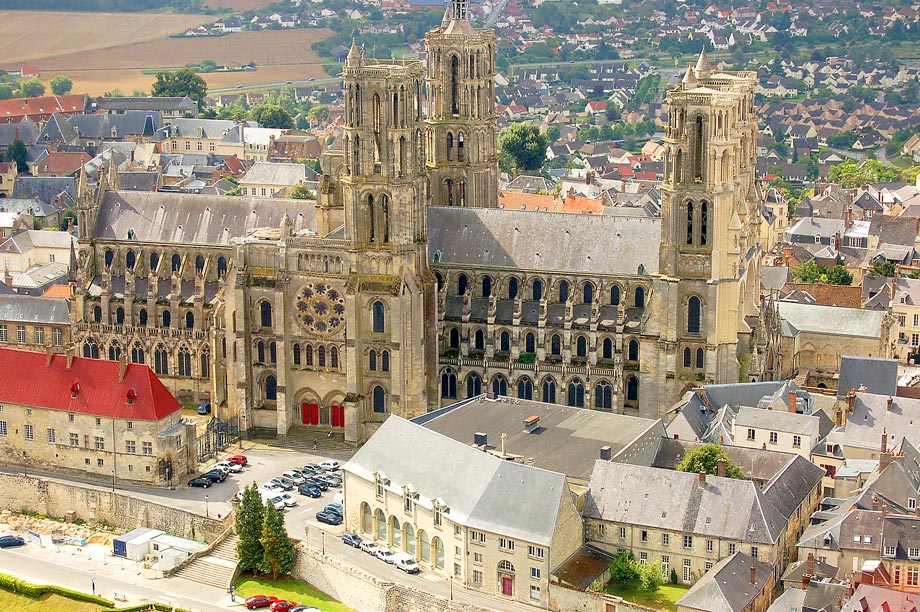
<point>702,66</point>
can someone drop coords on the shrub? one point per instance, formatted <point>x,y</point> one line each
<point>673,576</point>
<point>624,568</point>
<point>651,576</point>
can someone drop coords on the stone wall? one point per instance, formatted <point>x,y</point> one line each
<point>117,509</point>
<point>570,600</point>
<point>359,590</point>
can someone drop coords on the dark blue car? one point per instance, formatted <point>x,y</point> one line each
<point>309,490</point>
<point>330,518</point>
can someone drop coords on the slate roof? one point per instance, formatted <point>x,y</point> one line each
<point>270,173</point>
<point>871,416</point>
<point>674,501</point>
<point>877,374</point>
<point>777,420</point>
<point>31,206</point>
<point>568,439</point>
<point>773,277</point>
<point>145,104</point>
<point>480,490</point>
<point>45,188</point>
<point>99,390</point>
<point>179,218</point>
<point>25,241</point>
<point>727,587</point>
<point>829,320</point>
<point>543,241</point>
<point>31,309</point>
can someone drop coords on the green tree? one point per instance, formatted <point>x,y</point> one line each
<point>61,85</point>
<point>178,83</point>
<point>32,88</point>
<point>552,133</point>
<point>300,192</point>
<point>279,549</point>
<point>6,91</point>
<point>319,113</point>
<point>852,174</point>
<point>17,152</point>
<point>114,93</point>
<point>838,275</point>
<point>808,272</point>
<point>250,518</point>
<point>651,576</point>
<point>883,268</point>
<point>624,568</point>
<point>524,145</point>
<point>271,116</point>
<point>706,459</point>
<point>612,110</point>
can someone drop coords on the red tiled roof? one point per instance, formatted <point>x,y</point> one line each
<point>582,205</point>
<point>66,162</point>
<point>58,291</point>
<point>18,107</point>
<point>27,379</point>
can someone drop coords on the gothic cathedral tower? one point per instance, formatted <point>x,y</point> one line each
<point>709,254</point>
<point>383,193</point>
<point>461,134</point>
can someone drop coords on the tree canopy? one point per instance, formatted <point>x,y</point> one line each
<point>61,85</point>
<point>706,459</point>
<point>278,557</point>
<point>16,152</point>
<point>271,116</point>
<point>812,272</point>
<point>178,83</point>
<point>300,192</point>
<point>32,88</point>
<point>524,145</point>
<point>851,174</point>
<point>250,518</point>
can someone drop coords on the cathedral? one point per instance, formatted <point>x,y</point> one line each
<point>404,286</point>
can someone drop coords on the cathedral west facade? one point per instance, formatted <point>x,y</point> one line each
<point>404,287</point>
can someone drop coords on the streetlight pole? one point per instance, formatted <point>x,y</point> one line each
<point>451,582</point>
<point>25,464</point>
<point>322,538</point>
<point>113,481</point>
<point>206,506</point>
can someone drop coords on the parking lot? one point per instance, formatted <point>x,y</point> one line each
<point>264,464</point>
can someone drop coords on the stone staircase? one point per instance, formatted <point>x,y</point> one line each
<point>301,437</point>
<point>215,569</point>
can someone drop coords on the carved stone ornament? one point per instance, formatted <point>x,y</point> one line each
<point>320,308</point>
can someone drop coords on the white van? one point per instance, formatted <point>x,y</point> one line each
<point>406,563</point>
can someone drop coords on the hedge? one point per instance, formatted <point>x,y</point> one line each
<point>21,587</point>
<point>152,606</point>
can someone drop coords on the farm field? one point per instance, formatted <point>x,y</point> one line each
<point>239,5</point>
<point>281,55</point>
<point>62,33</point>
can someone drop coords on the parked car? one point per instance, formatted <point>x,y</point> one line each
<point>278,502</point>
<point>332,482</point>
<point>260,601</point>
<point>293,476</point>
<point>302,472</point>
<point>272,487</point>
<point>369,547</point>
<point>201,481</point>
<point>283,482</point>
<point>238,459</point>
<point>407,563</point>
<point>316,482</point>
<point>330,518</point>
<point>10,540</point>
<point>337,508</point>
<point>352,539</point>
<point>305,609</point>
<point>330,465</point>
<point>385,554</point>
<point>288,500</point>
<point>309,490</point>
<point>233,468</point>
<point>215,475</point>
<point>315,468</point>
<point>282,606</point>
<point>204,409</point>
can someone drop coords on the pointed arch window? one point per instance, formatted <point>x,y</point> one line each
<point>576,393</point>
<point>603,396</point>
<point>632,389</point>
<point>308,355</point>
<point>161,360</point>
<point>693,315</point>
<point>688,359</point>
<point>581,346</point>
<point>454,341</point>
<point>525,389</point>
<point>379,399</point>
<point>700,358</point>
<point>512,288</point>
<point>449,384</point>
<point>632,353</point>
<point>564,291</point>
<point>505,342</point>
<point>205,363</point>
<point>372,360</point>
<point>455,85</point>
<point>114,351</point>
<point>378,318</point>
<point>555,345</point>
<point>549,390</point>
<point>296,354</point>
<point>137,353</point>
<point>473,385</point>
<point>500,385</point>
<point>530,343</point>
<point>185,361</point>
<point>384,361</point>
<point>479,340</point>
<point>334,358</point>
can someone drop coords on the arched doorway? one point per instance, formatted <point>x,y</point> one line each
<point>506,577</point>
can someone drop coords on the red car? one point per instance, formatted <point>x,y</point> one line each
<point>282,606</point>
<point>238,459</point>
<point>260,601</point>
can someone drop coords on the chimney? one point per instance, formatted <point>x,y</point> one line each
<point>848,217</point>
<point>851,400</point>
<point>720,467</point>
<point>884,511</point>
<point>806,579</point>
<point>241,124</point>
<point>890,400</point>
<point>810,564</point>
<point>49,355</point>
<point>875,503</point>
<point>702,480</point>
<point>606,453</point>
<point>71,349</point>
<point>8,278</point>
<point>122,367</point>
<point>480,439</point>
<point>787,253</point>
<point>793,399</point>
<point>837,241</point>
<point>753,573</point>
<point>885,434</point>
<point>70,225</point>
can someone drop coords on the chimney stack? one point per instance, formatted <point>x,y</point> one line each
<point>721,467</point>
<point>885,435</point>
<point>753,573</point>
<point>884,511</point>
<point>702,480</point>
<point>793,400</point>
<point>810,564</point>
<point>606,453</point>
<point>71,349</point>
<point>890,401</point>
<point>49,355</point>
<point>122,367</point>
<point>875,503</point>
<point>8,278</point>
<point>851,400</point>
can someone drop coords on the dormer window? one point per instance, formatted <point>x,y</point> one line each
<point>74,389</point>
<point>889,551</point>
<point>131,396</point>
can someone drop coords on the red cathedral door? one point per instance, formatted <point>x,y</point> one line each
<point>310,414</point>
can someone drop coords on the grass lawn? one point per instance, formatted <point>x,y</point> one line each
<point>292,590</point>
<point>664,599</point>
<point>45,603</point>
